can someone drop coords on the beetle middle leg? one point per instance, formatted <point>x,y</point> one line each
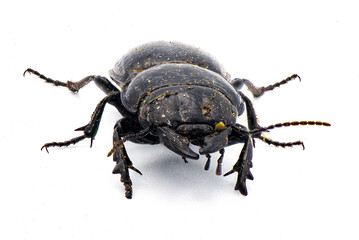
<point>90,130</point>
<point>259,91</point>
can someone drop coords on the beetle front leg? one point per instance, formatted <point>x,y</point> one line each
<point>122,165</point>
<point>124,127</point>
<point>243,166</point>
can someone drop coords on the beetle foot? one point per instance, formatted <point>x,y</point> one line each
<point>70,85</point>
<point>63,144</point>
<point>278,84</point>
<point>243,175</point>
<point>122,168</point>
<point>281,144</point>
<point>128,190</point>
<point>73,86</point>
<point>259,91</point>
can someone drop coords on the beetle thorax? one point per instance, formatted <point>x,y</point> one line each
<point>186,105</point>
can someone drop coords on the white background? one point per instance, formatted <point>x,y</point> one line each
<point>70,193</point>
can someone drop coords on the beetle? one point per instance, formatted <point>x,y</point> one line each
<point>175,94</point>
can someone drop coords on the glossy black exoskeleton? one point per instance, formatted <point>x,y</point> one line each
<point>175,94</point>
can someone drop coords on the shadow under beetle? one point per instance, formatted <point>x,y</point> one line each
<point>175,94</point>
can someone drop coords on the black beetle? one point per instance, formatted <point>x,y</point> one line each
<point>175,94</point>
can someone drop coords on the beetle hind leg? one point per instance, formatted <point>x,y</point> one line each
<point>103,83</point>
<point>259,91</point>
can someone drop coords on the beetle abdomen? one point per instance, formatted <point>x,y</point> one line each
<point>161,52</point>
<point>175,75</point>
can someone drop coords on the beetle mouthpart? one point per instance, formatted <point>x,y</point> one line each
<point>193,129</point>
<point>219,163</point>
<point>215,142</point>
<point>176,142</point>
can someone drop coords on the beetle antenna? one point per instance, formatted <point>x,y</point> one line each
<point>288,124</point>
<point>297,123</point>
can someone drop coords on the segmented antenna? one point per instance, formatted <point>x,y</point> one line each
<point>288,124</point>
<point>297,123</point>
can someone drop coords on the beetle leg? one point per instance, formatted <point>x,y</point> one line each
<point>90,130</point>
<point>243,166</point>
<point>63,144</point>
<point>251,114</point>
<point>259,91</point>
<point>103,83</point>
<point>281,144</point>
<point>123,162</point>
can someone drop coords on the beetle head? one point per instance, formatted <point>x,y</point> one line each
<point>189,114</point>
